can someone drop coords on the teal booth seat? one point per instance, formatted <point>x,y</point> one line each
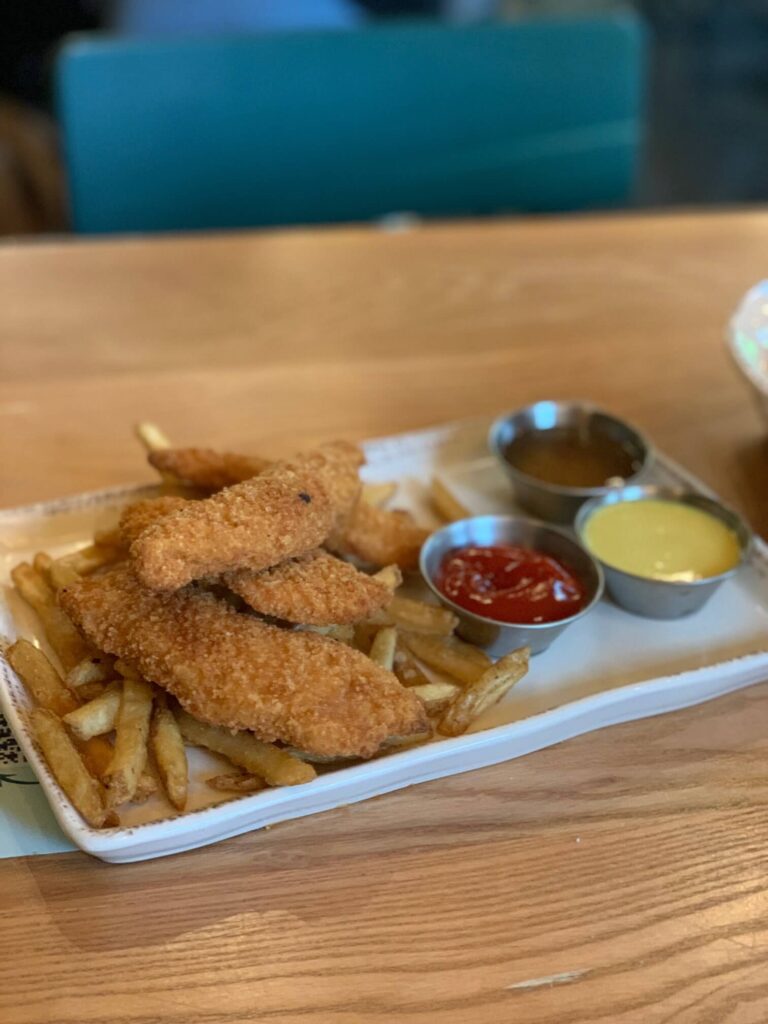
<point>315,127</point>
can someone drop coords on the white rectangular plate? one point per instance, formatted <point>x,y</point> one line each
<point>609,667</point>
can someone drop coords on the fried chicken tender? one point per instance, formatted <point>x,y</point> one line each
<point>211,470</point>
<point>338,464</point>
<point>381,537</point>
<point>377,536</point>
<point>316,589</point>
<point>235,671</point>
<point>206,469</point>
<point>287,511</point>
<point>135,518</point>
<point>252,525</point>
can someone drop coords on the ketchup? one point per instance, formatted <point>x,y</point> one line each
<point>510,584</point>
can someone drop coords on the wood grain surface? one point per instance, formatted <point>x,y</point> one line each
<point>619,877</point>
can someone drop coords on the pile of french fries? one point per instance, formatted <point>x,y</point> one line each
<point>463,681</point>
<point>112,738</point>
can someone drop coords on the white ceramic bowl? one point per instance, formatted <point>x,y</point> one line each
<point>748,341</point>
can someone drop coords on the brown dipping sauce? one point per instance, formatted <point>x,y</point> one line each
<point>571,457</point>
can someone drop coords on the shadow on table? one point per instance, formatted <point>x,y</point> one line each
<point>262,877</point>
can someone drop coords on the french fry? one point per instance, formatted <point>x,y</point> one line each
<point>445,504</point>
<point>364,634</point>
<point>42,563</point>
<point>94,669</point>
<point>448,654</point>
<point>436,696</point>
<point>153,439</point>
<point>390,576</point>
<point>97,716</point>
<point>69,646</point>
<point>32,586</point>
<point>277,767</point>
<point>108,537</point>
<point>131,732</point>
<point>151,436</point>
<point>170,755</point>
<point>88,559</point>
<point>97,754</point>
<point>484,692</point>
<point>125,670</point>
<point>90,691</point>
<point>416,617</point>
<point>62,576</point>
<point>67,767</point>
<point>379,494</point>
<point>148,783</point>
<point>146,786</point>
<point>236,782</point>
<point>44,683</point>
<point>383,647</point>
<point>406,669</point>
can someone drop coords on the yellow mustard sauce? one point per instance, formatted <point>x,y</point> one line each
<point>663,540</point>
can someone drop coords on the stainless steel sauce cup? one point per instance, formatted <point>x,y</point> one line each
<point>664,599</point>
<point>553,502</point>
<point>501,637</point>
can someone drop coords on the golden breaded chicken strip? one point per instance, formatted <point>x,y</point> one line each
<point>381,537</point>
<point>316,589</point>
<point>287,511</point>
<point>207,469</point>
<point>211,470</point>
<point>233,670</point>
<point>137,517</point>
<point>338,464</point>
<point>252,525</point>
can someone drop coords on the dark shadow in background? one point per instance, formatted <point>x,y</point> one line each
<point>708,102</point>
<point>708,93</point>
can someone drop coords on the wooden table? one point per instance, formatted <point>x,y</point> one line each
<point>620,877</point>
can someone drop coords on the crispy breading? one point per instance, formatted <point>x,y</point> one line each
<point>338,464</point>
<point>212,470</point>
<point>255,524</point>
<point>233,670</point>
<point>376,536</point>
<point>316,589</point>
<point>137,517</point>
<point>380,537</point>
<point>205,468</point>
<point>252,525</point>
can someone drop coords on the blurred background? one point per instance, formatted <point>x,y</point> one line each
<point>153,115</point>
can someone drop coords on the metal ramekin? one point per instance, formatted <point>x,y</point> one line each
<point>663,599</point>
<point>501,637</point>
<point>555,503</point>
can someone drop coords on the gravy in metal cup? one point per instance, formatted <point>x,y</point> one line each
<point>572,456</point>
